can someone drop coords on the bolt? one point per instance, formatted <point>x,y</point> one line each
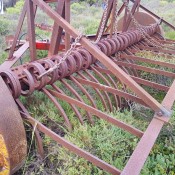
<point>160,114</point>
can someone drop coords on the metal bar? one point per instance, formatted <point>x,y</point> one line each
<point>106,81</point>
<point>110,3</point>
<point>73,106</point>
<point>111,90</point>
<point>58,106</point>
<point>157,49</point>
<point>113,17</point>
<point>57,30</point>
<point>105,93</point>
<point>17,54</point>
<point>21,20</point>
<point>31,29</point>
<point>98,113</point>
<point>140,81</point>
<point>97,91</point>
<point>67,17</point>
<point>73,148</point>
<point>141,152</point>
<point>147,98</point>
<point>146,69</point>
<point>146,60</point>
<point>77,96</point>
<point>135,6</point>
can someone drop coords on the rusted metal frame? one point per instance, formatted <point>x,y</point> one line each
<point>147,98</point>
<point>135,6</point>
<point>105,81</point>
<point>146,69</point>
<point>146,143</point>
<point>147,60</point>
<point>97,91</point>
<point>40,147</point>
<point>57,30</point>
<point>105,93</point>
<point>76,95</point>
<point>151,84</point>
<point>59,107</point>
<point>73,148</point>
<point>67,17</point>
<point>110,4</point>
<point>17,54</point>
<point>113,17</point>
<point>21,21</point>
<point>156,16</point>
<point>140,81</point>
<point>111,90</point>
<point>98,113</point>
<point>73,106</point>
<point>31,29</point>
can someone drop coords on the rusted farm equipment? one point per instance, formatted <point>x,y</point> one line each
<point>111,55</point>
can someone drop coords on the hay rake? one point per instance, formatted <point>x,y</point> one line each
<point>107,63</point>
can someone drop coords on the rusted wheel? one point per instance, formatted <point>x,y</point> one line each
<point>13,144</point>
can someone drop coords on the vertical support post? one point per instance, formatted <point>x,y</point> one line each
<point>128,17</point>
<point>31,29</point>
<point>113,17</point>
<point>67,17</point>
<point>110,3</point>
<point>57,30</point>
<point>21,20</point>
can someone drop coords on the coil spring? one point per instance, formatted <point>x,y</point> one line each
<point>80,59</point>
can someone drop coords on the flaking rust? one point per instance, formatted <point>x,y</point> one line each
<point>107,63</point>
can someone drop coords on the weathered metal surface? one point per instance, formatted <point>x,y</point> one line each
<point>13,150</point>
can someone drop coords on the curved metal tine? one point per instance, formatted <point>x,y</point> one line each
<point>73,148</point>
<point>97,91</point>
<point>84,91</point>
<point>59,107</point>
<point>95,80</point>
<point>107,82</point>
<point>73,106</point>
<point>76,95</point>
<point>101,69</point>
<point>99,114</point>
<point>117,98</point>
<point>90,118</point>
<point>87,94</point>
<point>39,142</point>
<point>114,85</point>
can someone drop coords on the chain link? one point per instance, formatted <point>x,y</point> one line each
<point>103,23</point>
<point>140,28</point>
<point>116,20</point>
<point>73,46</point>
